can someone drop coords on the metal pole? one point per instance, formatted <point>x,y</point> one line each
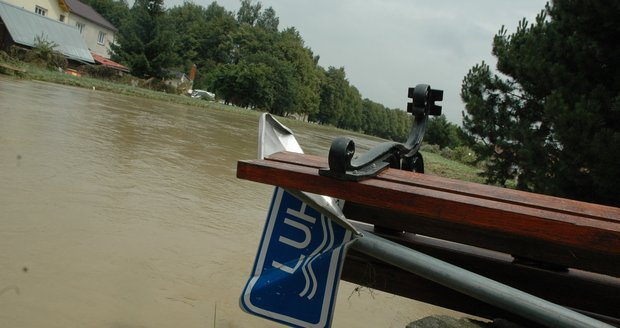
<point>477,286</point>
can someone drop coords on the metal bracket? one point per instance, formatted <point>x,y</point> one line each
<point>344,165</point>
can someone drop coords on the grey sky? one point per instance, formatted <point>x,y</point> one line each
<point>387,46</point>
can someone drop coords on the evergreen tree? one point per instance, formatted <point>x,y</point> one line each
<point>551,121</point>
<point>115,11</point>
<point>442,133</point>
<point>146,41</point>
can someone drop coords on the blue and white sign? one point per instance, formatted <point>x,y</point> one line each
<point>297,269</point>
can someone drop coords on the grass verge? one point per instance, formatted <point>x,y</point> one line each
<point>435,164</point>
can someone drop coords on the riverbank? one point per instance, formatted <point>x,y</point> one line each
<point>435,163</point>
<point>33,72</point>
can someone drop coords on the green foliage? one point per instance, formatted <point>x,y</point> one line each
<point>551,121</point>
<point>115,11</point>
<point>436,164</point>
<point>351,118</point>
<point>4,57</point>
<point>10,65</point>
<point>247,61</point>
<point>245,84</point>
<point>204,38</point>
<point>430,148</point>
<point>443,133</point>
<point>44,54</point>
<point>265,68</point>
<point>99,71</point>
<point>146,41</point>
<point>383,122</point>
<point>333,92</point>
<point>461,154</point>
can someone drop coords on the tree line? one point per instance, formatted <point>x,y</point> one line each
<point>246,60</point>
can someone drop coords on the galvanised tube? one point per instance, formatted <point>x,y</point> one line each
<point>472,284</point>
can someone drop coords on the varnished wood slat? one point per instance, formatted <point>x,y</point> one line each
<point>529,221</point>
<point>474,190</point>
<point>526,248</point>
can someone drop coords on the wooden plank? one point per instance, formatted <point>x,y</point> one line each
<point>589,292</point>
<point>13,69</point>
<point>546,253</point>
<point>549,229</point>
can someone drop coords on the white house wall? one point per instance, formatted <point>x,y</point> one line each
<point>90,33</point>
<point>53,9</point>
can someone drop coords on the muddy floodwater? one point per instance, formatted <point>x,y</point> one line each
<point>123,212</point>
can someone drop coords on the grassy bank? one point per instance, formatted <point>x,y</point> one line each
<point>435,164</point>
<point>33,72</point>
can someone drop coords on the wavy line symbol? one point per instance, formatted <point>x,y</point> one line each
<point>308,272</point>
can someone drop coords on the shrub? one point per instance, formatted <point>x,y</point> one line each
<point>160,85</point>
<point>4,57</point>
<point>18,53</point>
<point>43,54</point>
<point>430,148</point>
<point>464,154</point>
<point>461,154</point>
<point>99,71</point>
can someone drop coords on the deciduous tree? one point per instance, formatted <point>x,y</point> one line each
<point>442,133</point>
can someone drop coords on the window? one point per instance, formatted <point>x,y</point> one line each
<point>40,11</point>
<point>80,27</point>
<point>101,38</point>
<point>62,18</point>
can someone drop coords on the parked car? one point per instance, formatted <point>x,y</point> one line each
<point>203,94</point>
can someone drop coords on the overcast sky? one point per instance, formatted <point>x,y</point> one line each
<point>387,46</point>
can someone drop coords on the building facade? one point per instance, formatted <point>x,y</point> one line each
<point>24,28</point>
<point>53,9</point>
<point>96,31</point>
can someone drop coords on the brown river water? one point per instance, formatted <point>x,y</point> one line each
<point>124,212</point>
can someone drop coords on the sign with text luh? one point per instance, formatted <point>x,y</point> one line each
<point>297,269</point>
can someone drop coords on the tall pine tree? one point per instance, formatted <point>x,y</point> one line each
<point>551,120</point>
<point>145,41</point>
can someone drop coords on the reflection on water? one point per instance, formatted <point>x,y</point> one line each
<point>118,211</point>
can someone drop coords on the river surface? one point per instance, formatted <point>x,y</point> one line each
<point>123,212</point>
